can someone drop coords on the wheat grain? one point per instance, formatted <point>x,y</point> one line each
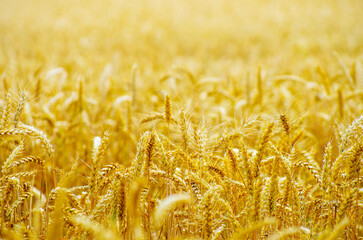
<point>215,168</point>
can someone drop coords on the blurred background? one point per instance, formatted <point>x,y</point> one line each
<point>83,36</point>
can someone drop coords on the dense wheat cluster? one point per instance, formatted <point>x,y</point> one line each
<point>181,119</point>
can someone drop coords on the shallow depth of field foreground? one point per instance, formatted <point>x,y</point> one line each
<point>190,119</point>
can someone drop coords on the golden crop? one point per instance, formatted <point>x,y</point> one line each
<point>188,119</point>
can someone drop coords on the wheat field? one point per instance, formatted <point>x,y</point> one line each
<point>181,119</point>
